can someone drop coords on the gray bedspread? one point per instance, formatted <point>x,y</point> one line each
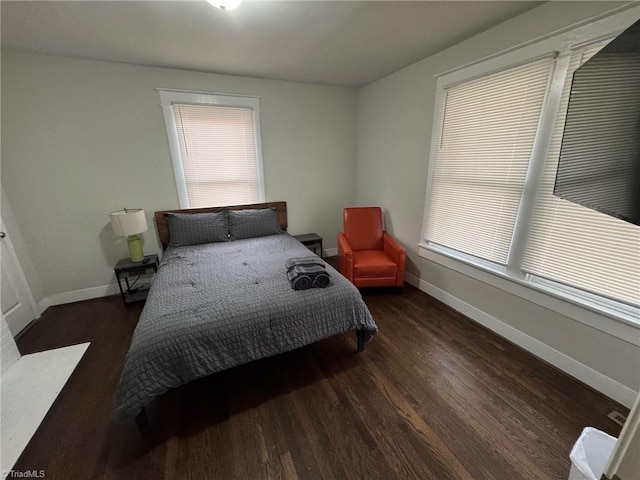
<point>218,305</point>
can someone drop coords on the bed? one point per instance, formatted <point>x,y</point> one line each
<point>213,306</point>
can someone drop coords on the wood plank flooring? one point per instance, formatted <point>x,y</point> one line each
<point>433,396</point>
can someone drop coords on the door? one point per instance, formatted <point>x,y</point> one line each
<point>18,305</point>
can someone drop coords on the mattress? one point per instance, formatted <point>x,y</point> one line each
<point>218,305</point>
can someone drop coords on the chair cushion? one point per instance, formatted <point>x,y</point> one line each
<point>363,227</point>
<point>373,263</point>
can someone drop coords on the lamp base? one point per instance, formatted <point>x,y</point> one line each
<point>135,248</point>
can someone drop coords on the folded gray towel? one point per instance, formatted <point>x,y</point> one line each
<point>307,261</point>
<point>321,280</point>
<point>303,277</point>
<point>298,280</point>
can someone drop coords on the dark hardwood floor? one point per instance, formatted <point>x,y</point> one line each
<point>433,396</point>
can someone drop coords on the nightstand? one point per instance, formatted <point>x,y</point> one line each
<point>312,241</point>
<point>126,269</point>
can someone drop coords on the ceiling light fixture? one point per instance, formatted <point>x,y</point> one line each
<point>225,4</point>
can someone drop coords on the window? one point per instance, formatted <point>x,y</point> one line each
<point>215,147</point>
<point>574,245</point>
<point>488,129</point>
<point>490,201</point>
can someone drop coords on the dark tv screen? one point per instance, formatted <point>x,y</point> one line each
<point>599,165</point>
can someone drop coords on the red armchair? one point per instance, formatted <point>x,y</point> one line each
<point>367,255</point>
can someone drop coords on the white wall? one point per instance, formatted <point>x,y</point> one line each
<point>81,138</point>
<point>394,127</point>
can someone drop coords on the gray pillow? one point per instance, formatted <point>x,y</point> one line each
<point>253,223</point>
<point>196,228</point>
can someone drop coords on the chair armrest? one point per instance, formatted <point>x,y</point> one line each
<point>398,254</point>
<point>393,248</point>
<point>343,245</point>
<point>345,257</point>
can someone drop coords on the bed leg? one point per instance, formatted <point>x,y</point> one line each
<point>142,420</point>
<point>361,335</point>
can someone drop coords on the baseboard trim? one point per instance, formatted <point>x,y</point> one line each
<point>77,296</point>
<point>330,252</point>
<point>42,305</point>
<point>600,382</point>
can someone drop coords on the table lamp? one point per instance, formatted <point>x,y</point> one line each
<point>130,222</point>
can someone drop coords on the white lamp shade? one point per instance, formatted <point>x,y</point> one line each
<point>128,222</point>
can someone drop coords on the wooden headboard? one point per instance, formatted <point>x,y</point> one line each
<point>163,227</point>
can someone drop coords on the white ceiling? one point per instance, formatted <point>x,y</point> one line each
<point>346,43</point>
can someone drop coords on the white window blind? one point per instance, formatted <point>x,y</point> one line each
<point>219,154</point>
<point>577,246</point>
<point>488,127</point>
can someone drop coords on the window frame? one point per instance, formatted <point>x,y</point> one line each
<point>441,118</point>
<point>612,317</point>
<point>169,97</point>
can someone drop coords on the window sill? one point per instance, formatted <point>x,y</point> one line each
<point>618,324</point>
